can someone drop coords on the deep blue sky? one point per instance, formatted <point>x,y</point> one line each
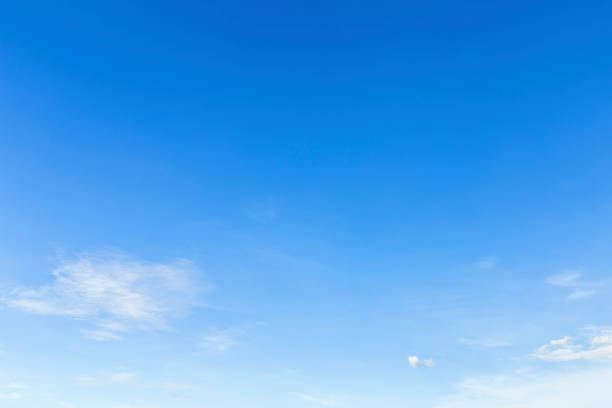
<point>333,187</point>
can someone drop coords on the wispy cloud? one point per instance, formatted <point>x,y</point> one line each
<point>86,380</point>
<point>579,388</point>
<point>488,262</point>
<point>220,341</point>
<point>15,386</point>
<point>597,345</point>
<point>566,279</point>
<point>416,362</point>
<point>115,292</point>
<point>580,289</point>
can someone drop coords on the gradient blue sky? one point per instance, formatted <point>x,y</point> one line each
<point>236,204</point>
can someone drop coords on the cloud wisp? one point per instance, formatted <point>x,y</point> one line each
<point>578,388</point>
<point>220,341</point>
<point>116,293</point>
<point>416,362</point>
<point>488,262</point>
<point>597,346</point>
<point>580,289</point>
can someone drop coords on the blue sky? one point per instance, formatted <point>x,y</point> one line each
<point>305,204</point>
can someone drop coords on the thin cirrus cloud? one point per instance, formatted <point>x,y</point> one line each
<point>488,262</point>
<point>11,392</point>
<point>596,346</point>
<point>560,389</point>
<point>577,387</point>
<point>220,341</point>
<point>114,292</point>
<point>416,362</point>
<point>580,289</point>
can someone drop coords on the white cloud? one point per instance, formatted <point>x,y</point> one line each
<point>561,342</point>
<point>572,279</point>
<point>416,362</point>
<point>487,262</point>
<point>220,341</point>
<point>588,388</point>
<point>115,292</point>
<point>567,279</point>
<point>101,335</point>
<point>580,293</point>
<point>597,346</point>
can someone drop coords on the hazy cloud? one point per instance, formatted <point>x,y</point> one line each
<point>115,292</point>
<point>580,388</point>
<point>580,289</point>
<point>416,362</point>
<point>220,341</point>
<point>488,262</point>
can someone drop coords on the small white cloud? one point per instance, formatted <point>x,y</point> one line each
<point>115,292</point>
<point>220,341</point>
<point>597,347</point>
<point>416,362</point>
<point>561,342</point>
<point>487,262</point>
